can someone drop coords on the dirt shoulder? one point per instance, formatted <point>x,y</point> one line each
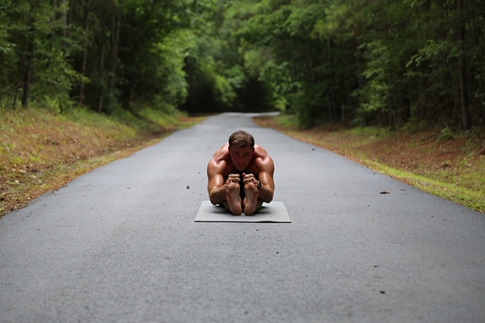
<point>41,151</point>
<point>448,165</point>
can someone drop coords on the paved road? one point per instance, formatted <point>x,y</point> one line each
<point>120,244</point>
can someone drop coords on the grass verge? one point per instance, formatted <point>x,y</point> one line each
<point>439,162</point>
<point>41,150</point>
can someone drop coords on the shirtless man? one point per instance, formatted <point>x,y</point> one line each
<point>241,175</point>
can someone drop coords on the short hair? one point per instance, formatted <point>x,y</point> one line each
<point>240,139</point>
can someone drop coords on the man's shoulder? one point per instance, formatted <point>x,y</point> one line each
<point>261,153</point>
<point>220,158</point>
<point>222,154</point>
<point>263,161</point>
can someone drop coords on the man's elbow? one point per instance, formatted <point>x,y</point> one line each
<point>267,198</point>
<point>213,201</point>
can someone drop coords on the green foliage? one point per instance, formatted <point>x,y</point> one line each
<point>172,52</point>
<point>383,63</point>
<point>377,90</point>
<point>414,126</point>
<point>446,134</point>
<point>369,132</point>
<point>100,53</point>
<point>373,62</point>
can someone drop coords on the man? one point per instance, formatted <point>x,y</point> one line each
<point>241,175</point>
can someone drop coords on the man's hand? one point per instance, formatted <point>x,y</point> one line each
<point>249,178</point>
<point>233,178</point>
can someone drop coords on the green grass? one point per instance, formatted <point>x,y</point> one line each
<point>41,149</point>
<point>471,198</point>
<point>286,121</point>
<point>437,161</point>
<point>369,132</point>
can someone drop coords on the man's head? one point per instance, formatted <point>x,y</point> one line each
<point>241,149</point>
<point>241,139</point>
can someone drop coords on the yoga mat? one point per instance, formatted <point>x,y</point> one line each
<point>274,212</point>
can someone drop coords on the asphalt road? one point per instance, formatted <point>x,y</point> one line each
<point>120,244</point>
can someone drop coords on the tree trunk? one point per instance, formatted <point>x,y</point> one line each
<point>64,18</point>
<point>15,95</point>
<point>30,59</point>
<point>115,32</point>
<point>465,114</point>
<point>101,70</point>
<point>87,4</point>
<point>69,18</point>
<point>28,76</point>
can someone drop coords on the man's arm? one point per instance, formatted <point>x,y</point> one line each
<point>266,191</point>
<point>216,185</point>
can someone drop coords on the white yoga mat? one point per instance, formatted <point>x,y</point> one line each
<point>272,212</point>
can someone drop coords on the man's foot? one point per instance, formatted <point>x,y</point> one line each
<point>233,199</point>
<point>251,202</point>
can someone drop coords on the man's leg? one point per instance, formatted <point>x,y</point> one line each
<point>233,199</point>
<point>251,202</point>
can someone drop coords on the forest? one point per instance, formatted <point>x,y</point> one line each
<point>386,63</point>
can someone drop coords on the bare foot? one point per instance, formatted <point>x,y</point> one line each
<point>251,203</point>
<point>233,199</point>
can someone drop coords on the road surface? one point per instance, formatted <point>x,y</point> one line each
<point>120,244</point>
